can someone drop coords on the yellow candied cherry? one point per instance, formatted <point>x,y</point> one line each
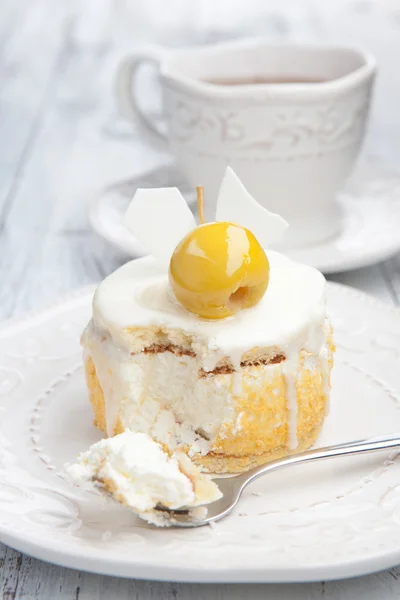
<point>219,269</point>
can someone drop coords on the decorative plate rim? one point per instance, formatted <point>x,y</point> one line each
<point>118,564</point>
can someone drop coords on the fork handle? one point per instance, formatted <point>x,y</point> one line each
<point>346,449</point>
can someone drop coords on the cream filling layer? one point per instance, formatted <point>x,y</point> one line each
<point>159,394</point>
<point>164,396</point>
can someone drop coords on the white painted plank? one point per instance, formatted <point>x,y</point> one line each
<point>391,270</point>
<point>28,578</point>
<point>51,266</point>
<point>30,51</point>
<point>45,234</point>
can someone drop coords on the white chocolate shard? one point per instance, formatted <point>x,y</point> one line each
<point>236,205</point>
<point>159,218</point>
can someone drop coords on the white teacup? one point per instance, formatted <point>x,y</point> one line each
<point>292,142</point>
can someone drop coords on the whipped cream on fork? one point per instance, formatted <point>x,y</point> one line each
<point>135,471</point>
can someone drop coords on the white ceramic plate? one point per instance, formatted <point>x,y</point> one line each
<point>329,520</point>
<point>370,206</point>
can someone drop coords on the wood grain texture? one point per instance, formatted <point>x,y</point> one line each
<point>23,577</point>
<point>61,140</point>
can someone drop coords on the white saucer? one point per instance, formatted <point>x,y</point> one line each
<point>315,522</point>
<point>370,206</point>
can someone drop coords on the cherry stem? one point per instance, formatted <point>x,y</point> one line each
<point>200,203</point>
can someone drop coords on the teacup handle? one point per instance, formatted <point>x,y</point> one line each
<point>126,92</point>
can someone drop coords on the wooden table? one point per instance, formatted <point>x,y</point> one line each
<point>61,139</point>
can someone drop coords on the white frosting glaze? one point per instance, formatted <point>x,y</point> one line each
<point>291,311</point>
<point>290,317</point>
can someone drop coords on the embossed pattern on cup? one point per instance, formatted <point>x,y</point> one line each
<point>293,145</point>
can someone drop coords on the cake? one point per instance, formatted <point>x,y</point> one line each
<point>232,393</point>
<point>227,356</point>
<point>134,470</point>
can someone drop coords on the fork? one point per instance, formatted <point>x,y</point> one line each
<point>232,487</point>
